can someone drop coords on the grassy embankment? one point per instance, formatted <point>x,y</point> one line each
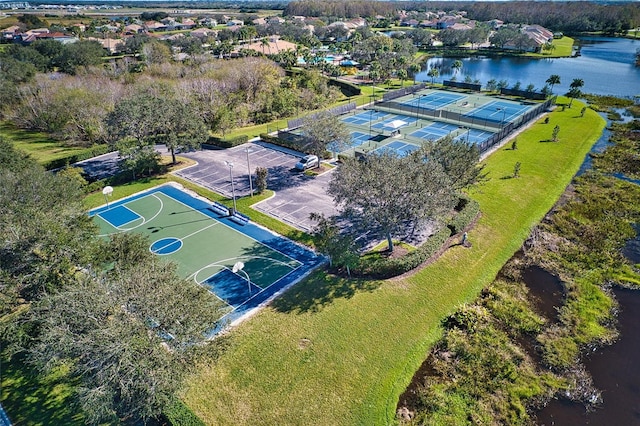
<point>334,351</point>
<point>39,145</point>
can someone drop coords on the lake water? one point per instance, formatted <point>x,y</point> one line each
<point>606,65</point>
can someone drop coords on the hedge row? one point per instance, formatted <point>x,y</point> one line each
<point>281,142</point>
<point>226,143</point>
<point>347,89</point>
<point>289,144</point>
<point>390,267</point>
<point>467,211</point>
<point>94,151</point>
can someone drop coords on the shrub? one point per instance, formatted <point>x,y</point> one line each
<point>383,267</point>
<point>227,143</point>
<point>261,179</point>
<point>391,267</point>
<point>467,210</point>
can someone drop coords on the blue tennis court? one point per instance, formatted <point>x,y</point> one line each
<point>358,138</point>
<point>434,100</point>
<point>498,112</point>
<point>475,136</point>
<point>401,149</point>
<point>392,122</point>
<point>434,131</point>
<point>364,117</point>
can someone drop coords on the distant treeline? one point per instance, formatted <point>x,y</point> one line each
<point>242,6</point>
<point>570,17</point>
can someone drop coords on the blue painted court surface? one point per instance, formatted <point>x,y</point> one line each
<point>206,245</point>
<point>434,131</point>
<point>401,149</point>
<point>364,118</point>
<point>434,100</point>
<point>119,216</point>
<point>475,136</point>
<point>385,124</point>
<point>498,112</point>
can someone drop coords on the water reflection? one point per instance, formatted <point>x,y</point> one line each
<point>606,65</point>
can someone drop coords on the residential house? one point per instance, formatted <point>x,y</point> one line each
<point>538,34</point>
<point>133,29</point>
<point>203,33</point>
<point>446,21</point>
<point>169,23</point>
<point>461,27</point>
<point>111,45</point>
<point>154,26</point>
<point>107,28</point>
<point>208,22</point>
<point>81,27</point>
<point>235,23</point>
<point>11,32</point>
<point>275,20</point>
<point>186,24</point>
<point>413,23</point>
<point>496,23</point>
<point>57,36</point>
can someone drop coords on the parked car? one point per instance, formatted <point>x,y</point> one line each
<point>307,162</point>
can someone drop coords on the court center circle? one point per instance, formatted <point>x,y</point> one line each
<point>166,246</point>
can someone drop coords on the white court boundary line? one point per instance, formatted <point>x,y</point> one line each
<point>145,221</point>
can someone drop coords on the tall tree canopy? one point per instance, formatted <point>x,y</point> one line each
<point>157,117</point>
<point>324,130</point>
<point>388,194</point>
<point>392,195</point>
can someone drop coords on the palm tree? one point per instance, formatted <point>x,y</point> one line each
<point>553,80</point>
<point>433,73</point>
<point>456,66</point>
<point>414,69</point>
<point>402,75</point>
<point>265,43</point>
<point>574,89</point>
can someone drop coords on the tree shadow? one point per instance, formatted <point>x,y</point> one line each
<point>319,291</point>
<point>282,177</point>
<point>32,399</point>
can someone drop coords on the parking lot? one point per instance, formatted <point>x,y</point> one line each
<point>297,195</point>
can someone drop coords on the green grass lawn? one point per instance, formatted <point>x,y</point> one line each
<point>340,352</point>
<point>39,145</point>
<point>563,48</point>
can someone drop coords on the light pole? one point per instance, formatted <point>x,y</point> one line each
<point>233,189</point>
<point>371,96</point>
<point>503,115</point>
<point>239,267</point>
<point>249,169</point>
<point>418,109</point>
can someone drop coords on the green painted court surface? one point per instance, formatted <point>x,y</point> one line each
<point>206,246</point>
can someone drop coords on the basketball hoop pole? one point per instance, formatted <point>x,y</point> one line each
<point>107,191</point>
<point>238,267</point>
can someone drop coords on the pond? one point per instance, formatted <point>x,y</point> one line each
<point>606,65</point>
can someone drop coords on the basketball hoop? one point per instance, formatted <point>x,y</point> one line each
<point>107,191</point>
